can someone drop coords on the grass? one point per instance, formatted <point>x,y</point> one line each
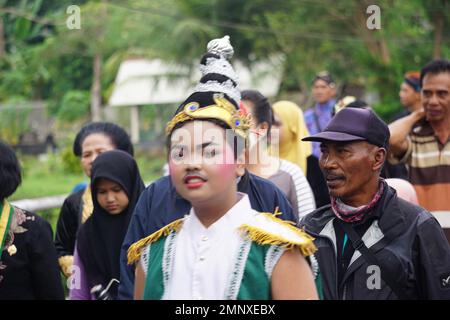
<point>47,176</point>
<point>50,175</point>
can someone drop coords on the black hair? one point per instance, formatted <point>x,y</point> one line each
<point>10,172</point>
<point>119,137</point>
<point>239,142</point>
<point>435,67</point>
<point>324,76</point>
<point>262,110</point>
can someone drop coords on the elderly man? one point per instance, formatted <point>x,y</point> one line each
<point>422,139</point>
<point>372,244</point>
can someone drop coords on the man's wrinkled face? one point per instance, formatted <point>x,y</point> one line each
<point>322,91</point>
<point>436,96</point>
<point>202,165</point>
<point>348,167</point>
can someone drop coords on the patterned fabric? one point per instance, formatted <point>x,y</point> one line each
<point>429,168</point>
<point>28,263</point>
<point>88,206</point>
<point>348,215</point>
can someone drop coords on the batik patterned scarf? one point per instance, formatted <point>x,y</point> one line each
<point>358,213</point>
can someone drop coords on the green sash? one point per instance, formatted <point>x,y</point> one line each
<point>5,222</point>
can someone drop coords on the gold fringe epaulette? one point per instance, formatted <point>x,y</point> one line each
<point>301,240</point>
<point>134,252</point>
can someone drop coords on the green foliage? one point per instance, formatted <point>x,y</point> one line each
<point>71,163</point>
<point>13,119</point>
<point>74,106</point>
<point>45,60</point>
<point>45,176</point>
<point>51,215</point>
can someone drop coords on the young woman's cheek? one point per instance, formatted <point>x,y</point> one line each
<point>226,171</point>
<point>226,168</point>
<point>172,167</point>
<point>175,171</point>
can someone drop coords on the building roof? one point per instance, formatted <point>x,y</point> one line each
<point>143,82</point>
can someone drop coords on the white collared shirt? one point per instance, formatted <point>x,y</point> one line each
<point>204,257</point>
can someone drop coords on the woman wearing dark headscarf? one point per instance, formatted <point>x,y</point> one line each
<point>93,139</point>
<point>28,263</point>
<point>116,185</point>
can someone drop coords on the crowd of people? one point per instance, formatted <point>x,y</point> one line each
<point>259,201</point>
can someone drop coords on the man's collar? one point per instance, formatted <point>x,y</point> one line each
<point>424,129</point>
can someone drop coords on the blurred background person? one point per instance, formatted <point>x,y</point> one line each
<point>409,94</point>
<point>291,127</point>
<point>317,117</point>
<point>92,140</point>
<point>28,263</point>
<point>422,139</point>
<point>116,186</point>
<point>287,176</point>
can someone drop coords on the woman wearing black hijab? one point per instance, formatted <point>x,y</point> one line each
<point>116,185</point>
<point>92,140</point>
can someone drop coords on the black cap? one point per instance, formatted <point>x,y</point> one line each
<point>353,124</point>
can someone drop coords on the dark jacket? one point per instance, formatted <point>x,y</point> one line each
<point>406,238</point>
<point>68,224</point>
<point>31,272</point>
<point>159,205</point>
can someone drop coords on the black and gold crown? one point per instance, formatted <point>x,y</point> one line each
<point>217,95</point>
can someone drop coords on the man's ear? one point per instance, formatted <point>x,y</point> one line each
<point>379,157</point>
<point>334,90</point>
<point>264,125</point>
<point>261,129</point>
<point>240,169</point>
<point>241,162</point>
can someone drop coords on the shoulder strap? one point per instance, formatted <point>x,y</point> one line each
<point>369,256</point>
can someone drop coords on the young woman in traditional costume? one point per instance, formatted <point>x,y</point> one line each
<point>116,185</point>
<point>223,249</point>
<point>28,262</point>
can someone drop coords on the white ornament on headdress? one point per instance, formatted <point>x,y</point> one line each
<point>226,87</point>
<point>220,66</point>
<point>221,47</point>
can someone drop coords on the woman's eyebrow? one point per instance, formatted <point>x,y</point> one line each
<point>206,144</point>
<point>177,145</point>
